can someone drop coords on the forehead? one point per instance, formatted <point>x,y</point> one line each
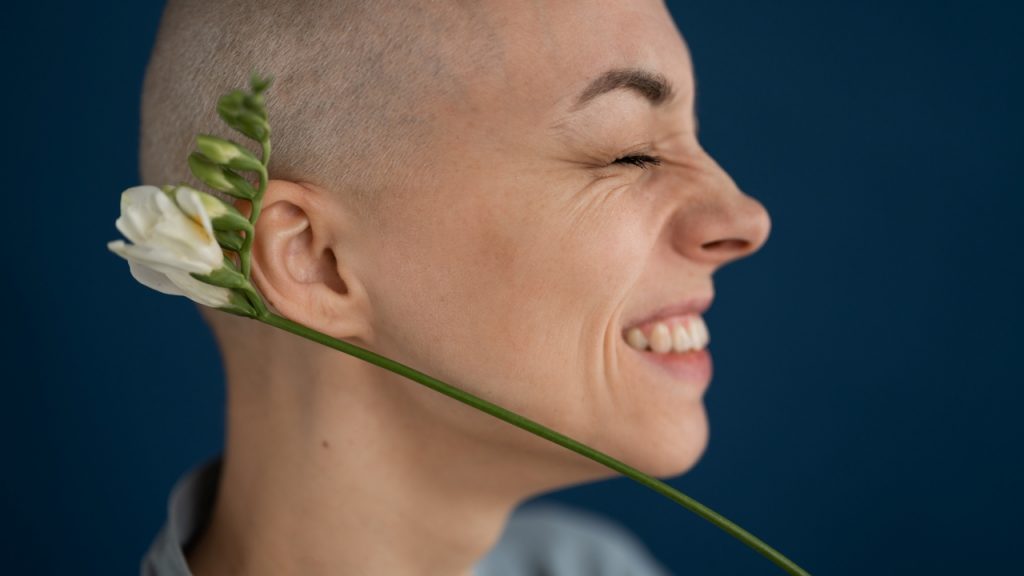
<point>543,55</point>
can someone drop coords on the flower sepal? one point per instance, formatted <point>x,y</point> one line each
<point>239,305</point>
<point>243,300</point>
<point>227,276</point>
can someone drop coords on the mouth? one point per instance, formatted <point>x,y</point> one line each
<point>675,338</point>
<point>677,334</point>
<point>697,305</point>
<point>693,368</point>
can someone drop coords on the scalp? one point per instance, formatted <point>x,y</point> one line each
<point>352,108</point>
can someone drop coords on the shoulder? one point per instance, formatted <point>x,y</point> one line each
<point>559,540</point>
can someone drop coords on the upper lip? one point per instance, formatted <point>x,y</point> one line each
<point>695,305</point>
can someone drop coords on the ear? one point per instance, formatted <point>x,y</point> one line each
<point>296,265</point>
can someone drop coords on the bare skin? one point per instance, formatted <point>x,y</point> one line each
<point>508,268</point>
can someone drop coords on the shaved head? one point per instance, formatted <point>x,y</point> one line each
<point>355,85</point>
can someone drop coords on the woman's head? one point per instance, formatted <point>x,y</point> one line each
<point>480,229</point>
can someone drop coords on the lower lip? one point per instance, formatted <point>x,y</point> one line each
<point>693,366</point>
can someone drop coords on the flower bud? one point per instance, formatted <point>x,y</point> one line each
<point>231,103</point>
<point>229,239</point>
<point>259,84</point>
<point>244,113</point>
<point>223,216</point>
<point>227,153</point>
<point>219,177</point>
<point>251,124</point>
<point>256,104</point>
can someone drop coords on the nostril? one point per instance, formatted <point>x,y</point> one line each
<point>728,245</point>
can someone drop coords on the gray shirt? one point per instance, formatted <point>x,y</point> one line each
<point>540,538</point>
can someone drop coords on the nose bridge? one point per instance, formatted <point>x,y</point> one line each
<point>715,221</point>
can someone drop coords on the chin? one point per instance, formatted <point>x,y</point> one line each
<point>662,451</point>
<point>670,450</point>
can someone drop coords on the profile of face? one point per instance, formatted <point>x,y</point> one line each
<point>526,246</point>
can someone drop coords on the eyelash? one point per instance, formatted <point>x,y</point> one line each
<point>640,160</point>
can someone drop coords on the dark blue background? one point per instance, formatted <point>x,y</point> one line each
<point>867,386</point>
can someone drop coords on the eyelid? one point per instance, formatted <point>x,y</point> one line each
<point>640,160</point>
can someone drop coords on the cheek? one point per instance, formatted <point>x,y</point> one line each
<point>452,291</point>
<point>551,280</point>
<point>506,296</point>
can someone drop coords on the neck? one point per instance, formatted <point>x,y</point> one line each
<point>341,467</point>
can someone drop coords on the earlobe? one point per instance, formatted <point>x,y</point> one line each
<point>295,266</point>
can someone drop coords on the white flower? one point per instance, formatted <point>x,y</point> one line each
<point>170,239</point>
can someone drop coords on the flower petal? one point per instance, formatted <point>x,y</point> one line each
<point>170,280</point>
<point>180,234</point>
<point>154,279</point>
<point>190,203</point>
<point>139,212</point>
<point>158,258</point>
<point>201,292</point>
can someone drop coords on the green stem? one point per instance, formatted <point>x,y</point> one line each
<point>255,300</point>
<point>529,425</point>
<point>246,252</point>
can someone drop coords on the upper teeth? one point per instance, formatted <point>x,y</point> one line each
<point>674,335</point>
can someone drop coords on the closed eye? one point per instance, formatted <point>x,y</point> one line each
<point>640,160</point>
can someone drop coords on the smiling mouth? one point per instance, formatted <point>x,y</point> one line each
<point>692,366</point>
<point>673,335</point>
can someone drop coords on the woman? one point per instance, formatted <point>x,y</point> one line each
<point>507,196</point>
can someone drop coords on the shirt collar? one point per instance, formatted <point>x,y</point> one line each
<point>188,511</point>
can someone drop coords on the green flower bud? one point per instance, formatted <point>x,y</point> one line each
<point>230,103</point>
<point>260,84</point>
<point>229,239</point>
<point>223,216</point>
<point>256,104</point>
<point>244,113</point>
<point>251,124</point>
<point>219,177</point>
<point>228,153</point>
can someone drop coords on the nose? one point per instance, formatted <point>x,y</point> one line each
<point>716,222</point>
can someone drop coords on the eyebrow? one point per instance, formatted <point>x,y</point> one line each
<point>653,86</point>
